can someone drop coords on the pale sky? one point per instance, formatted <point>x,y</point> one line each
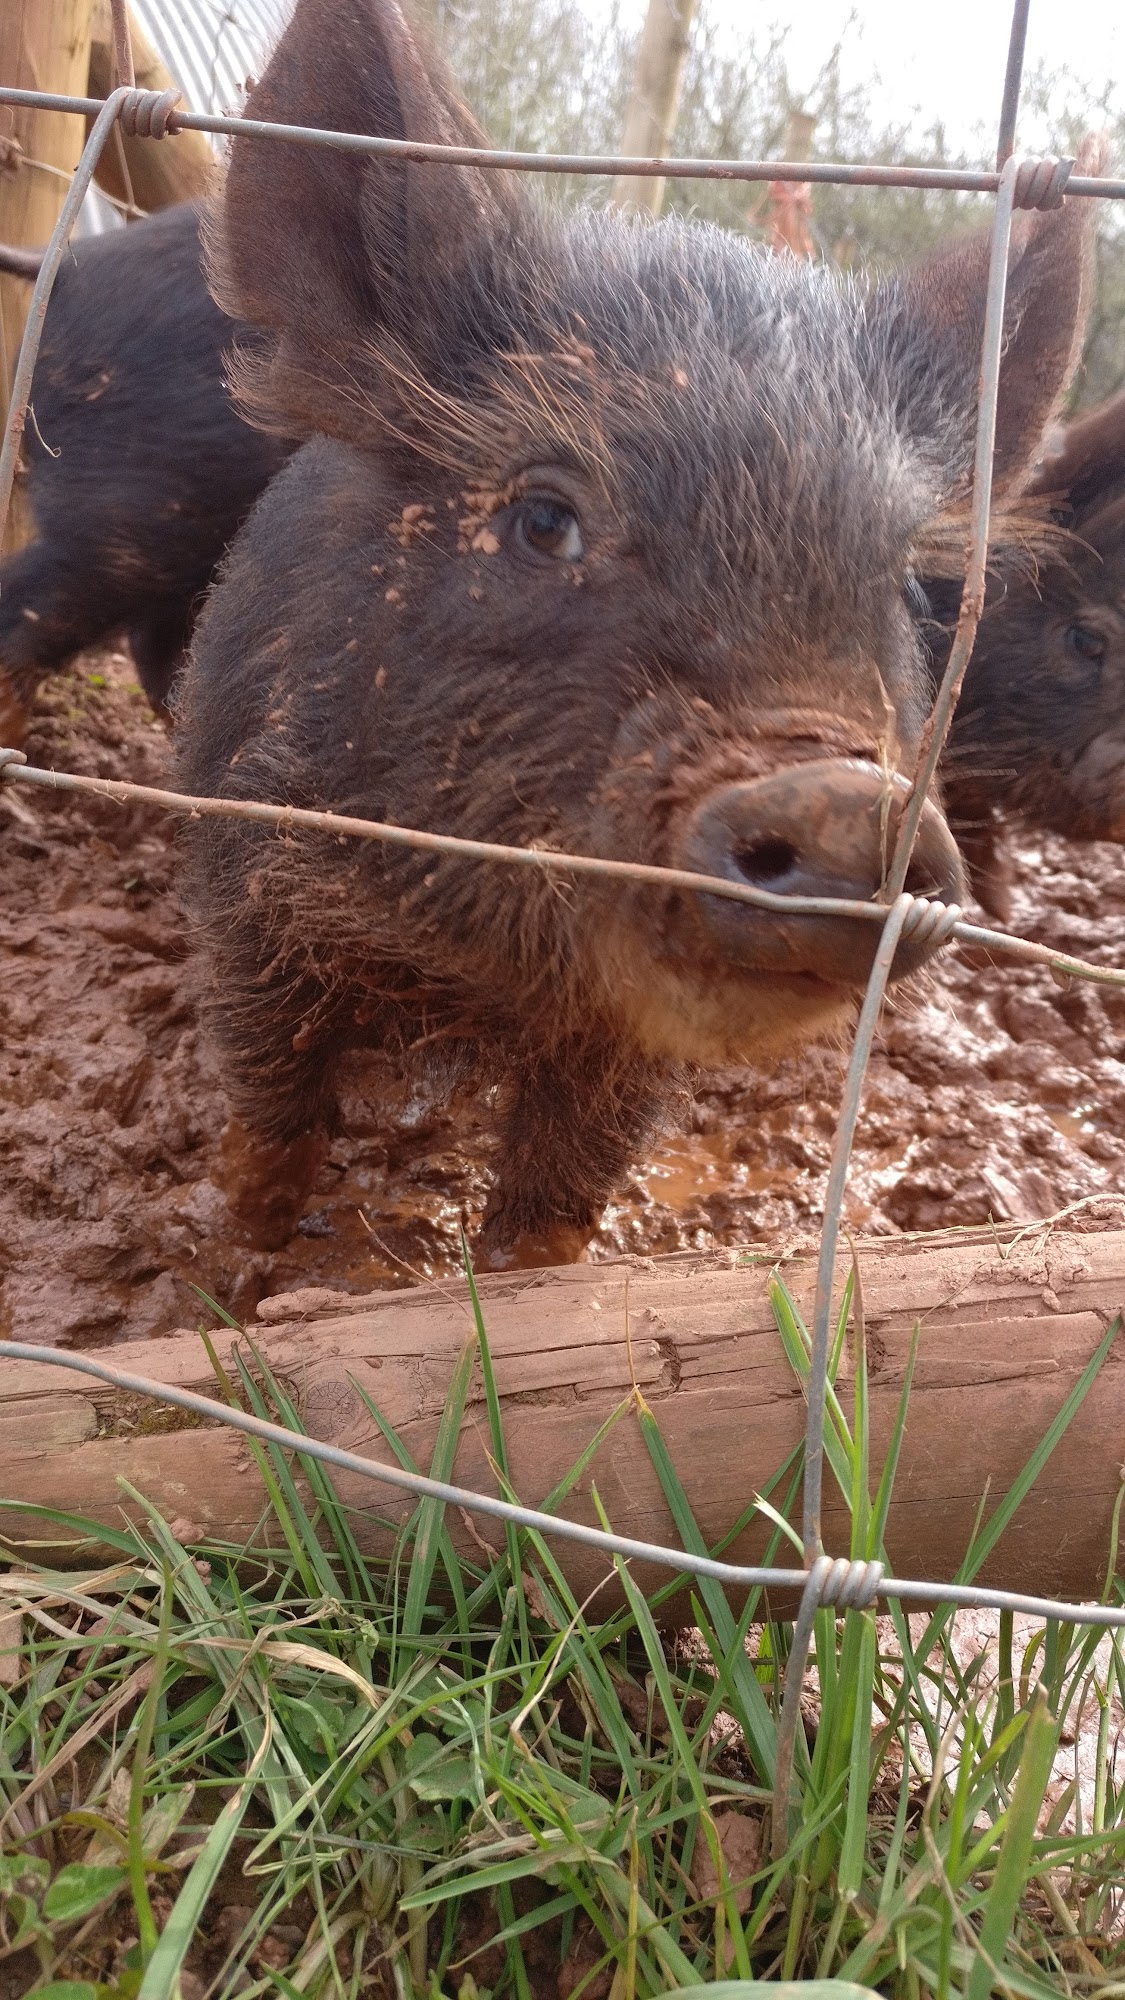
<point>945,59</point>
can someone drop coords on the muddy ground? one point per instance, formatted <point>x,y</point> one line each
<point>995,1091</point>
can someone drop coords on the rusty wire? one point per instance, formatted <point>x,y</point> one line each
<point>823,1581</point>
<point>926,921</point>
<point>843,173</point>
<point>123,72</point>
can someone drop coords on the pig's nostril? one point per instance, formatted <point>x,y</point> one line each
<point>766,863</point>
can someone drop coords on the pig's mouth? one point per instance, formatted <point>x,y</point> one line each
<point>716,1015</point>
<point>716,979</point>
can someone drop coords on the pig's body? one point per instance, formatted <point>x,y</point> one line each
<point>605,545</point>
<point>138,470</point>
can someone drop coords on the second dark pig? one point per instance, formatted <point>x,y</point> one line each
<point>1039,734</point>
<point>137,469</point>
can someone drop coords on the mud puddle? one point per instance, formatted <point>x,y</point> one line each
<point>993,1091</point>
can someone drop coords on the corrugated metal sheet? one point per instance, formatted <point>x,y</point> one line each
<point>210,48</point>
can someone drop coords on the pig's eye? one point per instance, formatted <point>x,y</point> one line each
<point>1086,641</point>
<point>549,528</point>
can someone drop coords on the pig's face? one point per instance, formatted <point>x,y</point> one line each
<point>1082,663</point>
<point>1044,713</point>
<point>666,527</point>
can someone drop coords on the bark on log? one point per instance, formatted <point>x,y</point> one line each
<point>1006,1330</point>
<point>150,173</point>
<point>44,45</point>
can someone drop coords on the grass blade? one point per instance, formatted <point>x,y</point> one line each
<point>162,1975</point>
<point>431,1513</point>
<point>1013,1863</point>
<point>748,1701</point>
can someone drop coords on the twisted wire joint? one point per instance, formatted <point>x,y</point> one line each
<point>1041,183</point>
<point>839,1581</point>
<point>931,923</point>
<point>145,114</point>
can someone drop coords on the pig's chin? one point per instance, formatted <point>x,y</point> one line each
<point>746,1017</point>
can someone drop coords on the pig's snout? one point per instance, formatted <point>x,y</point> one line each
<point>816,829</point>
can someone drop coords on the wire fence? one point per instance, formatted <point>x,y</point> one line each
<point>1016,183</point>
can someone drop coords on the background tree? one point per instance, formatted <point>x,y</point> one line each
<point>654,99</point>
<point>544,75</point>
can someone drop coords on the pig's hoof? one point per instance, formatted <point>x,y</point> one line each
<point>264,1223</point>
<point>531,1250</point>
<point>266,1182</point>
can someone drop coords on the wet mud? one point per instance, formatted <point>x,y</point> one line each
<point>994,1092</point>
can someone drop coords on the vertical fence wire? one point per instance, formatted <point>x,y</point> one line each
<point>1013,78</point>
<point>937,729</point>
<point>976,568</point>
<point>124,75</point>
<point>41,293</point>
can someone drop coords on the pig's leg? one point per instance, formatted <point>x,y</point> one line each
<point>267,1181</point>
<point>989,862</point>
<point>158,643</point>
<point>55,602</point>
<point>15,711</point>
<point>282,1054</point>
<point>575,1121</point>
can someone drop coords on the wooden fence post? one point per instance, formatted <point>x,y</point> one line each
<point>44,45</point>
<point>152,173</point>
<point>1009,1321</point>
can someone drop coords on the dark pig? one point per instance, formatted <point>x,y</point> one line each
<point>1039,733</point>
<point>604,544</point>
<point>138,471</point>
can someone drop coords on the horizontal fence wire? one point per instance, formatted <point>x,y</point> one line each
<point>836,173</point>
<point>929,921</point>
<point>844,1582</point>
<point>824,1580</point>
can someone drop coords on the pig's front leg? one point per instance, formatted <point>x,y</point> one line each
<point>988,858</point>
<point>575,1121</point>
<point>268,1181</point>
<point>283,1051</point>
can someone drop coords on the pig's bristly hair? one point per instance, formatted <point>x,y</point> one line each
<point>681,369</point>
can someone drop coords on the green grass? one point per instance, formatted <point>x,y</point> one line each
<point>292,1773</point>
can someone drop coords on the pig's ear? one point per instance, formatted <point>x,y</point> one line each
<point>330,250</point>
<point>931,319</point>
<point>1083,459</point>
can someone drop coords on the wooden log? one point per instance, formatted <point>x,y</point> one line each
<point>1007,1326</point>
<point>44,45</point>
<point>150,173</point>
